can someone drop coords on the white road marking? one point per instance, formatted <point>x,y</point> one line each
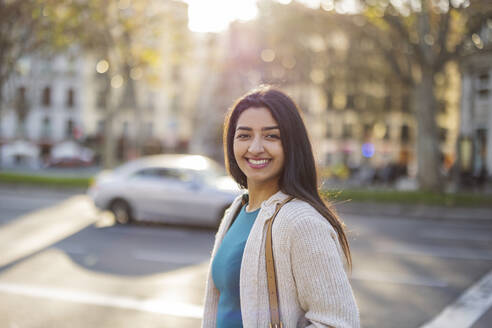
<point>176,258</point>
<point>468,308</point>
<point>398,279</point>
<point>158,306</point>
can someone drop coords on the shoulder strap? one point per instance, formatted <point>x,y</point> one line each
<point>270,268</point>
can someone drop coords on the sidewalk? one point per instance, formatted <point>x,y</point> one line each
<point>414,211</point>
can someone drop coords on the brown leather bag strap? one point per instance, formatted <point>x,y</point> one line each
<point>270,268</point>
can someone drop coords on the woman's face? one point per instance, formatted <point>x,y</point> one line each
<point>258,148</point>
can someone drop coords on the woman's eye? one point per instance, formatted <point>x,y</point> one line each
<point>273,136</point>
<point>241,136</point>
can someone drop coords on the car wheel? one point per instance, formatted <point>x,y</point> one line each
<point>121,211</point>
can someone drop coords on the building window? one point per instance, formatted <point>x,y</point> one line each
<point>100,128</point>
<point>405,133</point>
<point>21,100</point>
<point>21,94</point>
<point>70,98</point>
<point>69,130</point>
<point>329,100</point>
<point>484,79</point>
<point>347,131</point>
<point>350,101</point>
<point>46,98</point>
<point>46,128</point>
<point>484,93</point>
<point>387,132</point>
<point>441,107</point>
<point>367,130</point>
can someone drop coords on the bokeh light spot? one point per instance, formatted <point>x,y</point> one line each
<point>117,81</point>
<point>268,55</point>
<point>368,150</point>
<point>102,66</point>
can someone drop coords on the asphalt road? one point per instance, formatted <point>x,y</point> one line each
<point>62,264</point>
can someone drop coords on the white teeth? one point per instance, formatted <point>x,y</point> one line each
<point>259,162</point>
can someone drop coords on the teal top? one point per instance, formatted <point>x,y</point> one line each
<point>226,267</point>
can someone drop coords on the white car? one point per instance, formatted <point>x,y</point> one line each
<point>183,189</point>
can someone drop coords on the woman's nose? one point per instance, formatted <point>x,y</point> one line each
<point>256,146</point>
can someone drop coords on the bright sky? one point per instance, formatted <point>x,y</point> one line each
<point>215,15</point>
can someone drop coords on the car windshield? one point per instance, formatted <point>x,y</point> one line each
<point>128,167</point>
<point>210,175</point>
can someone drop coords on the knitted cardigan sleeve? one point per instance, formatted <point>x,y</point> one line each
<point>322,284</point>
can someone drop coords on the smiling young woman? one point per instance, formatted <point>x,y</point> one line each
<point>268,152</point>
<point>258,153</point>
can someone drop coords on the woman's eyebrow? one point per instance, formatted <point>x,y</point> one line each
<point>262,129</point>
<point>244,128</point>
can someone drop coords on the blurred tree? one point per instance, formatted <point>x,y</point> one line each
<point>24,28</point>
<point>400,45</point>
<point>313,47</point>
<point>417,39</point>
<point>123,37</point>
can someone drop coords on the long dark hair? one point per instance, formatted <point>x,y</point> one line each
<point>299,177</point>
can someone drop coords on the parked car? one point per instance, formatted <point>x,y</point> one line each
<point>184,189</point>
<point>69,162</point>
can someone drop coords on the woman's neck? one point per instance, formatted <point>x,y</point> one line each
<point>260,193</point>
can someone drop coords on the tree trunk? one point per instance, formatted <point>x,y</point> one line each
<point>1,120</point>
<point>429,163</point>
<point>109,141</point>
<point>109,147</point>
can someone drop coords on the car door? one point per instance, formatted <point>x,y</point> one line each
<point>144,188</point>
<point>170,197</point>
<point>206,202</point>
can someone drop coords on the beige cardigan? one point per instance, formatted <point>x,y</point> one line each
<point>313,287</point>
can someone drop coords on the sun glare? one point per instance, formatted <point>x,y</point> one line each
<point>215,15</point>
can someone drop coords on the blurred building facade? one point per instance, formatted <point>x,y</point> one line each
<point>153,107</point>
<point>55,99</point>
<point>44,107</point>
<point>354,119</point>
<point>475,140</point>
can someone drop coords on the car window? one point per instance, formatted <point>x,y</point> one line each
<point>210,176</point>
<point>165,173</point>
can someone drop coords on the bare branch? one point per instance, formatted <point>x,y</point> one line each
<point>442,37</point>
<point>386,51</point>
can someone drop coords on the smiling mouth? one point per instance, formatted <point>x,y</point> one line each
<point>258,163</point>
